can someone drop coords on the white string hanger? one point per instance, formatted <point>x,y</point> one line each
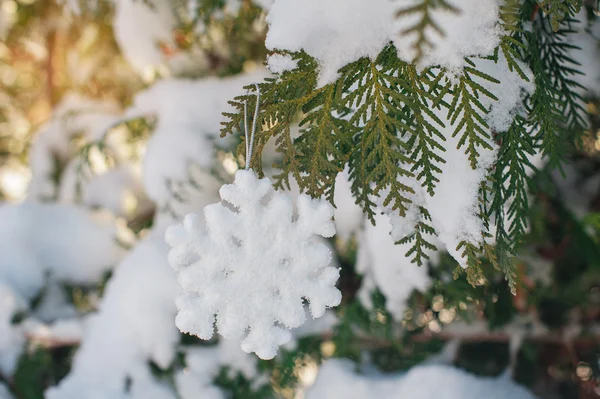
<point>250,142</point>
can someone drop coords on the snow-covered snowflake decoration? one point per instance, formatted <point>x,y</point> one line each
<point>253,265</point>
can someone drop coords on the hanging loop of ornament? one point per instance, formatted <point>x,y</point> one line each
<point>250,142</point>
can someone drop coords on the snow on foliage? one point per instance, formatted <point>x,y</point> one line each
<point>204,365</point>
<point>337,378</point>
<point>125,194</point>
<point>337,32</point>
<point>253,265</point>
<point>47,241</point>
<point>74,116</point>
<point>139,27</point>
<point>4,392</point>
<point>348,216</point>
<point>279,63</point>
<point>188,116</point>
<point>144,314</point>
<point>454,207</point>
<point>386,267</point>
<point>471,30</point>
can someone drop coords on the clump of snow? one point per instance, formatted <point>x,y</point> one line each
<point>454,208</point>
<point>68,242</point>
<point>139,29</point>
<point>74,116</point>
<point>139,299</point>
<point>384,266</point>
<point>510,92</point>
<point>473,31</point>
<point>189,115</point>
<point>337,378</point>
<point>279,63</point>
<point>41,241</point>
<point>4,392</point>
<point>205,364</point>
<point>348,215</point>
<point>252,267</point>
<point>118,190</point>
<point>337,32</point>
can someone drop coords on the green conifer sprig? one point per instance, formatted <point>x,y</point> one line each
<point>556,108</point>
<point>421,94</point>
<point>380,158</point>
<point>512,44</point>
<point>510,197</point>
<point>511,180</point>
<point>467,109</point>
<point>324,143</point>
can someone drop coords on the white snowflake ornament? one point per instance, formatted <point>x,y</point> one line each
<point>253,265</point>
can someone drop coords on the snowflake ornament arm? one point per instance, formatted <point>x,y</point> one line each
<point>253,265</point>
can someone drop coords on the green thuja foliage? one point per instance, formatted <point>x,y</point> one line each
<point>466,109</point>
<point>556,108</point>
<point>381,119</point>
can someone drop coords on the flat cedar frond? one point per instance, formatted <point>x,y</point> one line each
<point>559,10</point>
<point>424,9</point>
<point>380,158</point>
<point>423,125</point>
<point>511,180</point>
<point>466,109</point>
<point>506,262</point>
<point>420,246</point>
<point>511,44</point>
<point>556,108</point>
<point>323,143</point>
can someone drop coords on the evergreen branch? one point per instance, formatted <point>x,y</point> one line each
<point>511,44</point>
<point>380,157</point>
<point>467,109</point>
<point>556,109</point>
<point>422,122</point>
<point>323,146</point>
<point>511,181</point>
